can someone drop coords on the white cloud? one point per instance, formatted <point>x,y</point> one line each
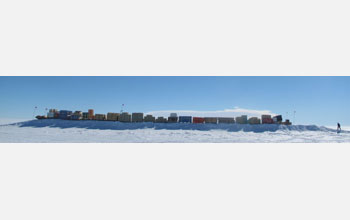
<point>236,111</point>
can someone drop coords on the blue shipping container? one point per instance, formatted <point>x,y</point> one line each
<point>64,114</point>
<point>76,117</point>
<point>185,119</point>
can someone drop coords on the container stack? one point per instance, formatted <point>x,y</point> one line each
<point>198,120</point>
<point>91,114</point>
<point>65,114</point>
<point>239,120</point>
<point>78,115</point>
<point>100,117</point>
<point>137,117</point>
<point>85,115</point>
<point>266,119</point>
<point>113,116</point>
<point>211,120</point>
<point>149,118</point>
<point>125,117</point>
<point>185,119</point>
<point>245,119</point>
<point>53,113</point>
<point>172,118</point>
<point>222,120</point>
<point>242,119</point>
<point>161,120</point>
<point>254,121</point>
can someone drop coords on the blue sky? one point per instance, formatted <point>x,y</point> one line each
<point>316,100</point>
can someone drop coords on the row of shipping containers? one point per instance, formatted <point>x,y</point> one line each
<point>173,118</point>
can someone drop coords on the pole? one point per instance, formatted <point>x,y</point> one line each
<point>294,118</point>
<point>34,111</point>
<point>121,110</point>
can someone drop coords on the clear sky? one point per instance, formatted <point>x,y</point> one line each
<point>316,100</point>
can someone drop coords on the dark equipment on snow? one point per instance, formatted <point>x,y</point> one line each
<point>338,128</point>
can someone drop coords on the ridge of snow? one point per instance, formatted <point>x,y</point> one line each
<point>111,125</point>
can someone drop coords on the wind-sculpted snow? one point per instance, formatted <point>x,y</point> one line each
<point>110,125</point>
<point>58,131</point>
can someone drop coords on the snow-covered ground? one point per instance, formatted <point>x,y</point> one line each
<point>4,121</point>
<point>54,131</point>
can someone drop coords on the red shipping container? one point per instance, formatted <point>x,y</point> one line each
<point>267,121</point>
<point>197,120</point>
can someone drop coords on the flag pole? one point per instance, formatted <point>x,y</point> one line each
<point>34,110</point>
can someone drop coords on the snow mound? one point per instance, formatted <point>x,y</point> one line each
<point>110,125</point>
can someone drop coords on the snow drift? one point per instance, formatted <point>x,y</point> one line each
<point>64,131</point>
<point>111,125</point>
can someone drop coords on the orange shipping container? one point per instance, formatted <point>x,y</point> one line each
<point>91,114</point>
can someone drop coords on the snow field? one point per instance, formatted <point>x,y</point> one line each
<point>58,131</point>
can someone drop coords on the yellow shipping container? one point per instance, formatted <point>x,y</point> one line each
<point>113,116</point>
<point>161,120</point>
<point>100,117</point>
<point>210,120</point>
<point>226,120</point>
<point>137,117</point>
<point>149,118</point>
<point>125,117</point>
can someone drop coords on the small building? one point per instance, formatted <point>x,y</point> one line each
<point>210,120</point>
<point>149,118</point>
<point>198,120</point>
<point>137,117</point>
<point>113,116</point>
<point>125,117</point>
<point>161,120</point>
<point>185,119</point>
<point>100,117</point>
<point>287,122</point>
<point>254,120</point>
<point>223,120</point>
